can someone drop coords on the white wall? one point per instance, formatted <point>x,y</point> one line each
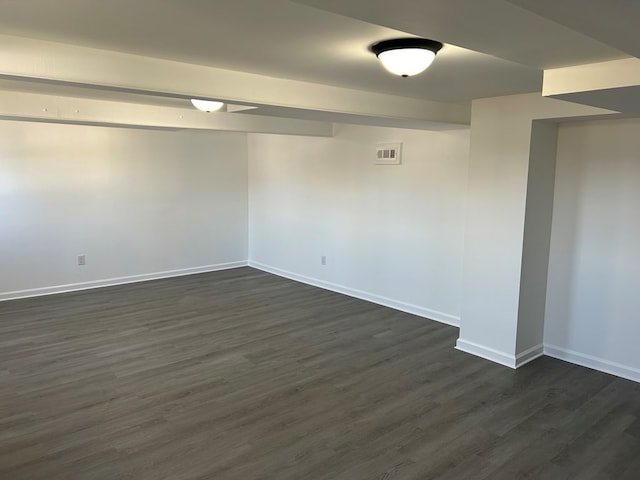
<point>498,174</point>
<point>593,296</point>
<point>537,238</point>
<point>135,202</point>
<point>391,234</point>
<point>509,215</point>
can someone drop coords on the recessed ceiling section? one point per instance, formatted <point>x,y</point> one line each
<point>45,95</point>
<point>24,58</point>
<point>493,27</point>
<point>373,121</point>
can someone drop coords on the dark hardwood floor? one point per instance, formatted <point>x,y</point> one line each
<point>243,375</point>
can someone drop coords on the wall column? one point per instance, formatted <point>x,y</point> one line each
<point>508,228</point>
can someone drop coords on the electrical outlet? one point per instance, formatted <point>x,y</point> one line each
<point>323,260</point>
<point>82,260</point>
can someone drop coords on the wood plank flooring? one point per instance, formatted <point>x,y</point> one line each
<point>243,375</point>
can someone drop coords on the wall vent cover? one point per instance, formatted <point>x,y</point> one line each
<point>388,153</point>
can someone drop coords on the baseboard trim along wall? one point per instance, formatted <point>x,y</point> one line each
<point>516,361</point>
<point>109,282</point>
<point>595,363</point>
<point>370,297</point>
<point>503,358</point>
<point>529,355</point>
<point>487,353</point>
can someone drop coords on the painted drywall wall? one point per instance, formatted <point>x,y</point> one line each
<point>502,233</point>
<point>536,238</point>
<point>135,202</point>
<point>498,172</point>
<point>390,234</point>
<point>594,266</point>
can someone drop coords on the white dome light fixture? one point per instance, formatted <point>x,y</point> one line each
<point>406,56</point>
<point>206,105</point>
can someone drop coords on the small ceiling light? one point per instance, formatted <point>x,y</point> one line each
<point>206,105</point>
<point>406,56</point>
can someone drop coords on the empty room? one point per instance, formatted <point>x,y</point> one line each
<point>319,239</point>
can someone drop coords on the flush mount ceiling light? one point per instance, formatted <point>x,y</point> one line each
<point>406,56</point>
<point>206,105</point>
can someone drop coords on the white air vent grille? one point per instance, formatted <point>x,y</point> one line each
<point>388,153</point>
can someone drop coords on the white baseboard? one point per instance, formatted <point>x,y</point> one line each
<point>370,297</point>
<point>487,353</point>
<point>590,361</point>
<point>503,358</point>
<point>529,355</point>
<point>516,361</point>
<point>72,287</point>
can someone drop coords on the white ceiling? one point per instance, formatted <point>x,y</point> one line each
<point>614,22</point>
<point>492,47</point>
<point>271,37</point>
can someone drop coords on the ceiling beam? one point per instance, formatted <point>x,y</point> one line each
<point>23,106</point>
<point>614,85</point>
<point>24,58</point>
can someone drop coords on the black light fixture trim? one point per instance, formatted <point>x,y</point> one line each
<point>399,43</point>
<point>386,48</point>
